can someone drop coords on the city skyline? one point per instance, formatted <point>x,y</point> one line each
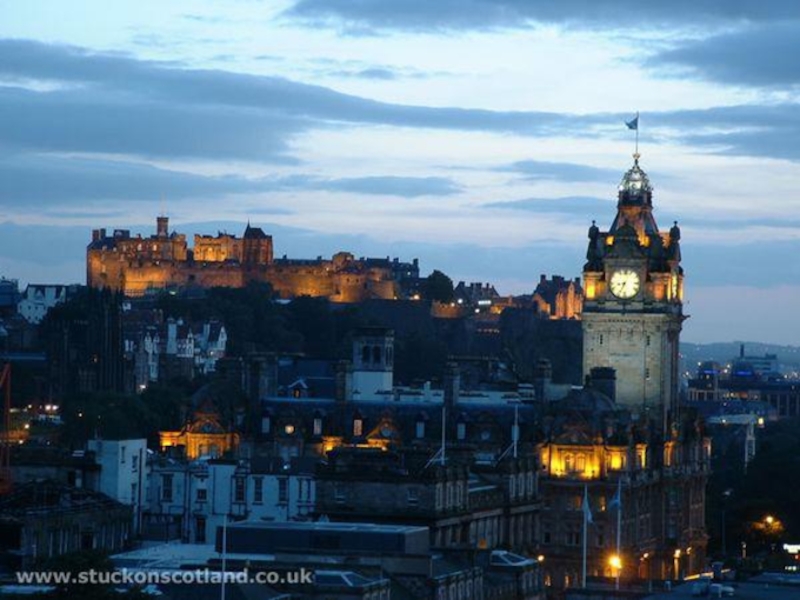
<point>482,138</point>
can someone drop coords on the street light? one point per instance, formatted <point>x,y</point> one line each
<point>615,561</point>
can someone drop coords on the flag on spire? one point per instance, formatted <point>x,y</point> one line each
<point>587,510</point>
<point>633,123</point>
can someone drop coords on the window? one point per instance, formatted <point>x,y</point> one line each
<point>413,496</point>
<point>461,431</point>
<point>258,489</point>
<point>573,536</point>
<point>238,489</point>
<point>420,429</point>
<point>580,464</point>
<point>166,488</point>
<point>122,454</point>
<point>647,373</point>
<point>317,426</point>
<point>283,490</point>
<point>202,494</point>
<point>339,494</point>
<point>134,463</point>
<point>569,463</point>
<point>358,427</point>
<point>200,530</point>
<point>266,424</point>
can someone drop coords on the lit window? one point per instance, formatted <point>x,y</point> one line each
<point>358,427</point>
<point>317,426</point>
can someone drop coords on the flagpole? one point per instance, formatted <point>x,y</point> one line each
<point>637,133</point>
<point>585,533</point>
<point>224,554</point>
<point>619,524</point>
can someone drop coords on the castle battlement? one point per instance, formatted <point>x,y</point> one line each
<point>137,265</point>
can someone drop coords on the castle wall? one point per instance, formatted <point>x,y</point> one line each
<point>136,265</point>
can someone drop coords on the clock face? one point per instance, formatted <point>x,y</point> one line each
<point>624,283</point>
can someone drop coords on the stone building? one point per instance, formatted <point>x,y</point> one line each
<point>559,298</point>
<point>189,499</point>
<point>619,461</point>
<point>43,519</point>
<point>136,265</point>
<point>203,435</point>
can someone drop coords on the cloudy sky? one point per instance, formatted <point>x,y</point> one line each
<point>481,136</point>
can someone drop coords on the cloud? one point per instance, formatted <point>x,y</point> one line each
<point>424,15</point>
<point>408,187</point>
<point>568,205</point>
<point>48,180</point>
<point>769,130</point>
<point>113,103</point>
<point>536,170</point>
<point>51,180</point>
<point>757,56</point>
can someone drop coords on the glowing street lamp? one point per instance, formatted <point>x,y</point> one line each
<point>615,562</point>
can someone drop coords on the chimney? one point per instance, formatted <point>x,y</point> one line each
<point>162,227</point>
<point>741,351</point>
<point>344,381</point>
<point>604,380</point>
<point>542,376</point>
<point>452,385</point>
<point>95,235</point>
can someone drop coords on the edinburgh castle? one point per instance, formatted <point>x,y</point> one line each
<point>138,265</point>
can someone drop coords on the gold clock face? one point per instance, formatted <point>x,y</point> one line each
<point>624,283</point>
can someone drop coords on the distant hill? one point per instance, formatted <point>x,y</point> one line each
<point>723,352</point>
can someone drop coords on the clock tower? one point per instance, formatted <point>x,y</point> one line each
<point>633,306</point>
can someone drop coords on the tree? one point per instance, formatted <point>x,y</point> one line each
<point>439,287</point>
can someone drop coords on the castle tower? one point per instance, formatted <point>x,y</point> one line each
<point>633,307</point>
<point>373,362</point>
<point>162,226</point>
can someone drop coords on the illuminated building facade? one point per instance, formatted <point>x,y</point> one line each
<point>136,265</point>
<point>633,306</point>
<point>593,446</point>
<point>203,436</point>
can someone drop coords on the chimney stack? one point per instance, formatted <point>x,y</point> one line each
<point>452,385</point>
<point>604,380</point>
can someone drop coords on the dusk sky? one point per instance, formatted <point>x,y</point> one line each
<point>481,136</point>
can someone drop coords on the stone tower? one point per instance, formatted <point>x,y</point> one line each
<point>373,362</point>
<point>633,307</point>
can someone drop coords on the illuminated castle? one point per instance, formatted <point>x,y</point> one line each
<point>138,265</point>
